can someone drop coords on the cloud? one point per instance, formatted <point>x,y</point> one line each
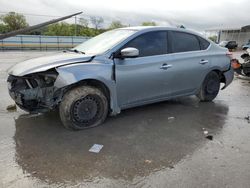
<point>195,14</point>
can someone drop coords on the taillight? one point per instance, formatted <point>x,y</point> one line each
<point>235,64</point>
<point>229,54</point>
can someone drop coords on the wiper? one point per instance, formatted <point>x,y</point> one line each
<point>74,50</point>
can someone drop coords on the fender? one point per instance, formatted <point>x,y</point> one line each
<point>103,72</point>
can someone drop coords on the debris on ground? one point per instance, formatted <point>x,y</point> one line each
<point>209,137</point>
<point>96,148</point>
<point>248,118</point>
<point>171,119</point>
<point>205,132</point>
<point>26,116</point>
<point>148,161</point>
<point>11,108</point>
<point>171,166</point>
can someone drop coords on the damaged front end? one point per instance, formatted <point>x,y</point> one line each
<point>35,92</point>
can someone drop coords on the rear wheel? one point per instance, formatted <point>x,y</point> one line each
<point>210,87</point>
<point>83,107</point>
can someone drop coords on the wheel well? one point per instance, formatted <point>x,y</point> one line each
<point>221,75</point>
<point>92,82</point>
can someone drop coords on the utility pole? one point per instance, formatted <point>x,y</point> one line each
<point>75,27</point>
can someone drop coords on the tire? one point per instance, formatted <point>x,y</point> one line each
<point>210,87</point>
<point>83,107</point>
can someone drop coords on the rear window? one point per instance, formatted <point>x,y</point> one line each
<point>184,42</point>
<point>203,43</point>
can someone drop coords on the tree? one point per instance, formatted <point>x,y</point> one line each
<point>3,28</point>
<point>60,29</point>
<point>83,22</point>
<point>116,24</point>
<point>148,24</point>
<point>213,38</point>
<point>96,21</point>
<point>14,21</point>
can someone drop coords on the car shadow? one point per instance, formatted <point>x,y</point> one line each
<point>136,143</point>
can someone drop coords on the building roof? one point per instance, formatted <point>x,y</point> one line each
<point>243,28</point>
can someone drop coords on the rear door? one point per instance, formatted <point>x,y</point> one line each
<point>190,62</point>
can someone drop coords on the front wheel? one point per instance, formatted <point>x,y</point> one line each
<point>83,107</point>
<point>210,87</point>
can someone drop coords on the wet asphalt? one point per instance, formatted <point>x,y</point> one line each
<point>159,145</point>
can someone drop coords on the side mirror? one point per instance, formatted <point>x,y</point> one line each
<point>129,52</point>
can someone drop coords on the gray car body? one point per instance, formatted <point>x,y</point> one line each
<point>135,81</point>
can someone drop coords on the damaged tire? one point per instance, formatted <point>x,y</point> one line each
<point>210,87</point>
<point>83,107</point>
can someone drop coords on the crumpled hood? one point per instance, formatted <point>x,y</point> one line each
<point>47,62</point>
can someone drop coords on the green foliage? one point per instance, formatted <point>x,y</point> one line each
<point>83,22</point>
<point>3,28</point>
<point>96,21</point>
<point>65,29</point>
<point>116,24</point>
<point>60,29</point>
<point>213,38</point>
<point>90,32</point>
<point>148,24</point>
<point>13,21</point>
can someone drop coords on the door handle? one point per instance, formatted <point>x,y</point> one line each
<point>203,62</point>
<point>165,66</point>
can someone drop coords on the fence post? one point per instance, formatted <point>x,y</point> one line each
<point>21,41</point>
<point>40,41</point>
<point>57,42</point>
<point>2,45</point>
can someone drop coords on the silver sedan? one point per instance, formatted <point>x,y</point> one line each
<point>120,69</point>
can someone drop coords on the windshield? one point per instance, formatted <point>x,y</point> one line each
<point>104,41</point>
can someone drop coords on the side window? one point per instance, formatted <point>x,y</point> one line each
<point>203,43</point>
<point>149,44</point>
<point>184,42</point>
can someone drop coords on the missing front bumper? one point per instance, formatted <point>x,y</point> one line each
<point>34,100</point>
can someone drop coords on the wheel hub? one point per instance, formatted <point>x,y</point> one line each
<point>86,109</point>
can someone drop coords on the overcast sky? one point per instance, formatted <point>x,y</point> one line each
<point>194,14</point>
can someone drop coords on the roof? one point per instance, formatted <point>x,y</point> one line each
<point>145,27</point>
<point>158,28</point>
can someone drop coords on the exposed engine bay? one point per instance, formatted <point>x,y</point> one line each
<point>35,92</point>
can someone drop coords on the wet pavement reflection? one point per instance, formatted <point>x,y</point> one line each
<point>49,152</point>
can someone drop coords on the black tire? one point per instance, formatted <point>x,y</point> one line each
<point>210,87</point>
<point>83,107</point>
